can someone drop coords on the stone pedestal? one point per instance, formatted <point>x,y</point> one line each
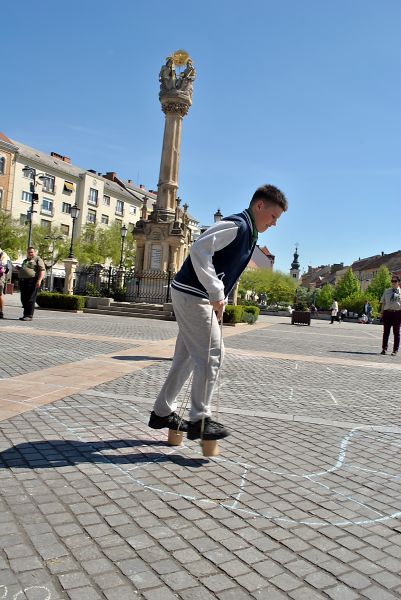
<point>70,266</point>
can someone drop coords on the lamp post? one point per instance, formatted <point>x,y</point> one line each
<point>124,232</point>
<point>74,212</point>
<point>217,216</point>
<point>35,196</point>
<point>53,238</point>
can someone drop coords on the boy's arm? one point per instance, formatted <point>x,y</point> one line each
<point>215,238</point>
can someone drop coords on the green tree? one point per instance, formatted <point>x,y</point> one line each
<point>347,285</point>
<point>100,244</point>
<point>324,297</point>
<point>277,286</point>
<point>50,251</point>
<point>12,239</point>
<point>356,301</point>
<point>380,282</point>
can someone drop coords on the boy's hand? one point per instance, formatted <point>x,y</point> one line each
<point>218,307</point>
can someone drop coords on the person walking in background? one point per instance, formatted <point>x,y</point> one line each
<point>334,311</point>
<point>30,277</point>
<point>367,309</point>
<point>391,315</point>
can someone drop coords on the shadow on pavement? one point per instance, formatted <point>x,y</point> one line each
<point>355,352</point>
<point>140,358</point>
<point>63,453</point>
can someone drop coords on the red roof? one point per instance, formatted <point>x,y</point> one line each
<point>4,138</point>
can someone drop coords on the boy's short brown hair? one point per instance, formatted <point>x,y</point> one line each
<point>269,193</point>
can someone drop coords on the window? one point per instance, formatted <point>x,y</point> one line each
<point>23,220</point>
<point>47,207</point>
<point>2,165</point>
<point>91,216</point>
<point>27,174</point>
<point>48,183</point>
<point>132,210</point>
<point>105,219</point>
<point>106,200</point>
<point>26,196</point>
<point>68,187</point>
<point>45,224</point>
<point>120,207</point>
<point>66,208</point>
<point>65,229</point>
<point>92,198</point>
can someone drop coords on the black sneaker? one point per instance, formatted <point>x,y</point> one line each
<point>383,352</point>
<point>172,421</point>
<point>394,353</point>
<point>1,315</point>
<point>25,318</point>
<point>211,431</point>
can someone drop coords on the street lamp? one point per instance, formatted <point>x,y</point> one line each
<point>35,196</point>
<point>217,216</point>
<point>53,238</point>
<point>74,212</point>
<point>124,232</point>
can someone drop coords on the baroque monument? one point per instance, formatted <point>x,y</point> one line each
<point>163,237</point>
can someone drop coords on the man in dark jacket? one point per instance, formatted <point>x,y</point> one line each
<point>30,277</point>
<point>199,291</point>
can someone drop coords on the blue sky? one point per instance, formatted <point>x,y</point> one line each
<point>302,94</point>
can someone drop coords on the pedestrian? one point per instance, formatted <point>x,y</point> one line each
<point>199,291</point>
<point>313,310</point>
<point>4,271</point>
<point>334,311</point>
<point>391,314</point>
<point>30,277</point>
<point>367,309</point>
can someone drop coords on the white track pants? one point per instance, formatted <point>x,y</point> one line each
<point>197,325</point>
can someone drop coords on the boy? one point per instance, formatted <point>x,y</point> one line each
<point>216,262</point>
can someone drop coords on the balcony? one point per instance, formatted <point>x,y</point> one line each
<point>92,201</point>
<point>49,212</point>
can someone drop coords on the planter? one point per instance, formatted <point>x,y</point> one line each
<point>300,317</point>
<point>95,301</point>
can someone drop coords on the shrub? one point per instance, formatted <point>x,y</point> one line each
<point>64,301</point>
<point>119,294</point>
<point>233,314</point>
<point>301,305</point>
<point>91,290</point>
<point>249,318</point>
<point>253,310</point>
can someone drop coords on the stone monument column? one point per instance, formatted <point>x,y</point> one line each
<point>162,234</point>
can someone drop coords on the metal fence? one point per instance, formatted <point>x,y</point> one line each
<point>123,286</point>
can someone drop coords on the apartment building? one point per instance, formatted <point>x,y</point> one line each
<point>60,185</point>
<point>7,162</point>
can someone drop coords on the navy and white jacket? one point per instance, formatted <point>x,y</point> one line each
<point>217,258</point>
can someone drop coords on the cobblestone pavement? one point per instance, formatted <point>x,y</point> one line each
<point>304,501</point>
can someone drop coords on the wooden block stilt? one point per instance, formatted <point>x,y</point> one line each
<point>174,437</point>
<point>210,447</point>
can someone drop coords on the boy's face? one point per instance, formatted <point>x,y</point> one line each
<point>265,214</point>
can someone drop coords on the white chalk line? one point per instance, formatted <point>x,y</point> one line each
<point>234,506</point>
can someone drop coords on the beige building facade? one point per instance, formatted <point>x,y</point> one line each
<point>7,165</point>
<point>100,200</point>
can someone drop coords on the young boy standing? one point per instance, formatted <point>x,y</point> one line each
<point>207,276</point>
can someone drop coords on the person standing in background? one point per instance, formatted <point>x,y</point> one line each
<point>391,314</point>
<point>30,276</point>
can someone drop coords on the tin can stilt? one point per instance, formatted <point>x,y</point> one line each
<point>175,437</point>
<point>210,447</point>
